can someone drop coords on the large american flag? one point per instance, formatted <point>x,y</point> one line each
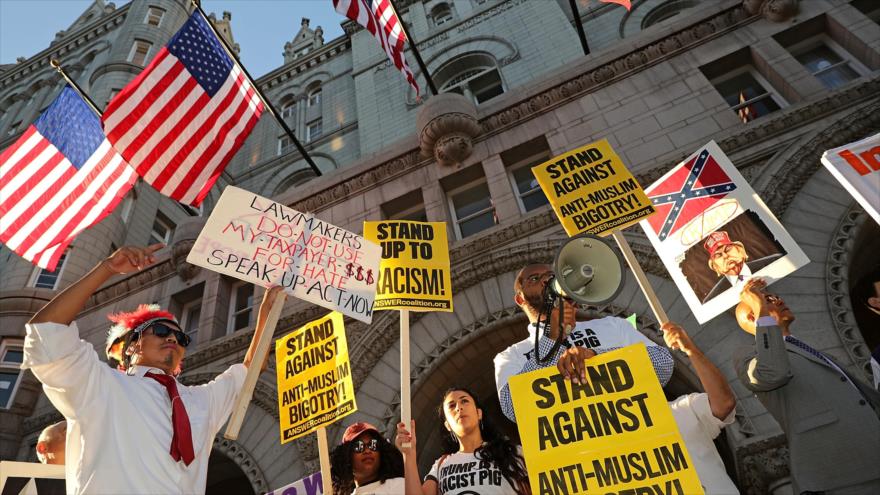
<point>60,177</point>
<point>378,17</point>
<point>184,117</point>
<point>686,193</point>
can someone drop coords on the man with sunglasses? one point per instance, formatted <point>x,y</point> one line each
<point>830,418</point>
<point>135,430</point>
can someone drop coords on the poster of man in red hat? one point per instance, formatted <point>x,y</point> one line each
<point>714,233</point>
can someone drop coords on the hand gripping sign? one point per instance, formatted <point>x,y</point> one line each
<point>613,434</point>
<point>314,377</point>
<point>591,190</point>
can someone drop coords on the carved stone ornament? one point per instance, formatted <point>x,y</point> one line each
<point>772,10</point>
<point>184,239</point>
<point>447,125</point>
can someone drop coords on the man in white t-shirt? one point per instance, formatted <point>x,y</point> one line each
<point>586,339</point>
<point>701,416</point>
<point>134,429</point>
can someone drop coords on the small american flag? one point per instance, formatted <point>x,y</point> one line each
<point>695,186</point>
<point>59,178</point>
<point>184,117</point>
<point>378,17</point>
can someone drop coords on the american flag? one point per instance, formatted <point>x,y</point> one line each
<point>378,17</point>
<point>686,193</point>
<point>59,178</point>
<point>184,117</point>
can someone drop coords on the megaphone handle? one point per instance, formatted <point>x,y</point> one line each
<point>641,278</point>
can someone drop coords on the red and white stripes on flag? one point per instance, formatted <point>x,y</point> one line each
<point>378,17</point>
<point>180,122</point>
<point>59,178</point>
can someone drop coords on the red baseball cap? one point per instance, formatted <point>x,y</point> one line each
<point>716,240</point>
<point>356,429</point>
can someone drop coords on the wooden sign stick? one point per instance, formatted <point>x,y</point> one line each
<point>263,336</point>
<point>405,405</point>
<point>641,278</point>
<point>324,458</point>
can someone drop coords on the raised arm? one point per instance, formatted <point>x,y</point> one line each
<point>406,443</point>
<point>64,307</point>
<point>770,369</point>
<point>721,398</point>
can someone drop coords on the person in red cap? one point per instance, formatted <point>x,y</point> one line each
<point>138,430</point>
<point>730,261</point>
<point>365,463</point>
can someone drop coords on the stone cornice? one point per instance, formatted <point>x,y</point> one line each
<point>67,44</point>
<point>288,71</point>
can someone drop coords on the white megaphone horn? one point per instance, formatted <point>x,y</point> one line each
<point>588,271</point>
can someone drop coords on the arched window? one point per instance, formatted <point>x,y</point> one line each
<point>475,76</point>
<point>441,14</point>
<point>315,96</point>
<point>288,109</point>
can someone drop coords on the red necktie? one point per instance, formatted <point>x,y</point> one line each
<point>181,442</point>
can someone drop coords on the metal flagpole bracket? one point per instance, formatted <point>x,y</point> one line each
<point>54,63</point>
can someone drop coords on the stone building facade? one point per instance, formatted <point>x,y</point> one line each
<point>774,82</point>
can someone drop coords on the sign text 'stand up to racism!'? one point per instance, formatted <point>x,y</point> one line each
<point>414,274</point>
<point>591,190</point>
<point>613,434</point>
<point>314,377</point>
<point>255,239</point>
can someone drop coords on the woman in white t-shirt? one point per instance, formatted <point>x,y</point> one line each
<point>477,459</point>
<point>366,464</point>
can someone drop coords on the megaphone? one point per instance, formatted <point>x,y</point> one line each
<point>588,271</point>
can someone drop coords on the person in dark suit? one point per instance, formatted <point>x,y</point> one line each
<point>830,418</point>
<point>730,261</point>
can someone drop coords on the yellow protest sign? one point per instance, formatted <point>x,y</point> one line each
<point>314,377</point>
<point>414,272</point>
<point>613,434</point>
<point>591,190</point>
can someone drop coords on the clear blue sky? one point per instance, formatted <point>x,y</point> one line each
<point>261,27</point>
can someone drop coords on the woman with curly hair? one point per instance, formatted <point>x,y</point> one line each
<point>366,464</point>
<point>476,458</point>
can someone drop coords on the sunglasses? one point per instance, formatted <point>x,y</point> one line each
<point>161,330</point>
<point>360,445</point>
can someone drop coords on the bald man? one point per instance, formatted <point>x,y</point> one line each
<point>51,444</point>
<point>830,418</point>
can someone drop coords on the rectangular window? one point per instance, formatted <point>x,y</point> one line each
<point>748,94</point>
<point>288,111</point>
<point>472,209</point>
<point>285,144</point>
<point>140,50</point>
<point>315,97</point>
<point>827,65</point>
<point>189,319</point>
<point>241,308</point>
<point>44,279</point>
<point>163,228</point>
<point>314,130</point>
<point>410,206</point>
<point>519,161</point>
<point>11,357</point>
<point>154,16</point>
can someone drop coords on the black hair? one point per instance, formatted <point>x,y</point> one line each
<point>342,468</point>
<point>497,449</point>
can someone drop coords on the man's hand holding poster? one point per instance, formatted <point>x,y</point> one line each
<point>255,239</point>
<point>612,434</point>
<point>713,232</point>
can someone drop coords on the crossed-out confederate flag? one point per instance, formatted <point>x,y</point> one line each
<point>59,178</point>
<point>184,117</point>
<point>686,193</point>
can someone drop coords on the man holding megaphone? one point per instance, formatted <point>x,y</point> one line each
<point>590,272</point>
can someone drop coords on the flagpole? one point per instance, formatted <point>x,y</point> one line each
<point>259,93</point>
<point>580,28</point>
<point>75,86</point>
<point>415,50</point>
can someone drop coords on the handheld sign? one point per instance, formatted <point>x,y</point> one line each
<point>414,273</point>
<point>591,190</point>
<point>314,377</point>
<point>309,485</point>
<point>613,434</point>
<point>857,167</point>
<point>255,239</point>
<point>713,232</point>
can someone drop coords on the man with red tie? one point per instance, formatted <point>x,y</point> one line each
<point>135,429</point>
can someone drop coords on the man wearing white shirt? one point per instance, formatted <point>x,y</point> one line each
<point>586,339</point>
<point>133,430</point>
<point>701,416</point>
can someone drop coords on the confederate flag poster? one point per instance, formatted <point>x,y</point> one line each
<point>713,232</point>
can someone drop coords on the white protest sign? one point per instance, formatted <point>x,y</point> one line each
<point>255,239</point>
<point>857,166</point>
<point>713,232</point>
